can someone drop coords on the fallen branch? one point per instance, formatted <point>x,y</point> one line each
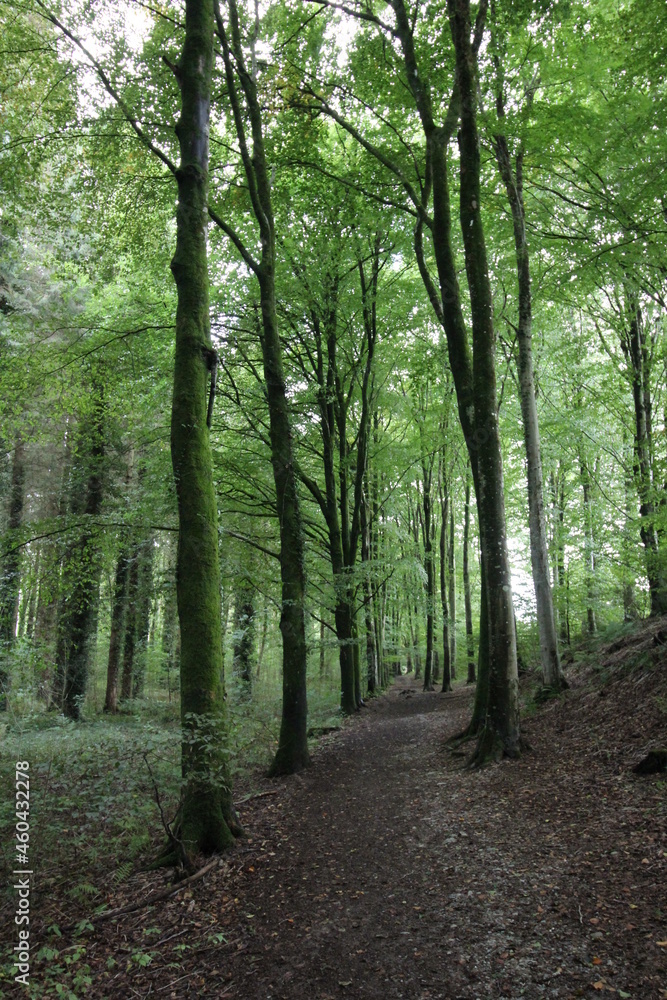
<point>258,795</point>
<point>154,897</point>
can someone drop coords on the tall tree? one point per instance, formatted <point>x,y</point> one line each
<point>511,172</point>
<point>292,753</point>
<point>207,820</point>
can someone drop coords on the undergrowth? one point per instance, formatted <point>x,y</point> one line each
<point>93,816</point>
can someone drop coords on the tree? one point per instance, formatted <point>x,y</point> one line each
<point>292,753</point>
<point>511,172</point>
<point>207,821</point>
<point>9,582</point>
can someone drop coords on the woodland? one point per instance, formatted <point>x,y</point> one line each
<point>333,397</point>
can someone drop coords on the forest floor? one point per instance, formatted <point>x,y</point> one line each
<point>387,871</point>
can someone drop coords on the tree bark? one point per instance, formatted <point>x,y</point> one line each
<point>636,350</point>
<point>429,566</point>
<point>452,591</point>
<point>143,619</point>
<point>589,546</point>
<point>372,678</point>
<point>446,648</point>
<point>501,732</point>
<point>129,643</point>
<point>207,821</point>
<point>292,753</point>
<point>470,640</point>
<point>244,636</point>
<point>473,373</point>
<point>118,612</point>
<point>552,675</point>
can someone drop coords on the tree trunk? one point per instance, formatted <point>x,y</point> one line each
<point>429,566</point>
<point>127,678</point>
<point>452,592</point>
<point>323,664</point>
<point>10,581</point>
<point>637,355</point>
<point>118,612</point>
<point>244,636</point>
<point>589,547</point>
<point>552,676</point>
<point>470,640</point>
<point>206,822</point>
<point>473,375</point>
<point>170,639</point>
<point>558,506</point>
<point>501,732</point>
<point>446,648</point>
<point>372,679</point>
<point>262,638</point>
<point>630,613</point>
<point>143,619</point>
<point>81,604</point>
<point>292,753</point>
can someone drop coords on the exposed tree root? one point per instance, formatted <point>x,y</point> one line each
<point>286,764</point>
<point>545,692</point>
<point>492,747</point>
<point>469,733</point>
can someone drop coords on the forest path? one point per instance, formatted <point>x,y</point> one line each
<point>385,871</point>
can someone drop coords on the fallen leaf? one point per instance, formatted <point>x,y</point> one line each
<point>597,961</point>
<point>599,985</point>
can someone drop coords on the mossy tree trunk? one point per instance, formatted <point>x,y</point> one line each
<point>206,819</point>
<point>244,635</point>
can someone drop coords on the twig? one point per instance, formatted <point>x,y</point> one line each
<point>155,897</point>
<point>258,795</point>
<point>180,980</point>
<point>173,839</point>
<point>170,938</point>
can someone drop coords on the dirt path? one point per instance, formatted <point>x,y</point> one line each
<point>386,872</point>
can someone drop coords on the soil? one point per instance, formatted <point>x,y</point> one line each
<point>388,871</point>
